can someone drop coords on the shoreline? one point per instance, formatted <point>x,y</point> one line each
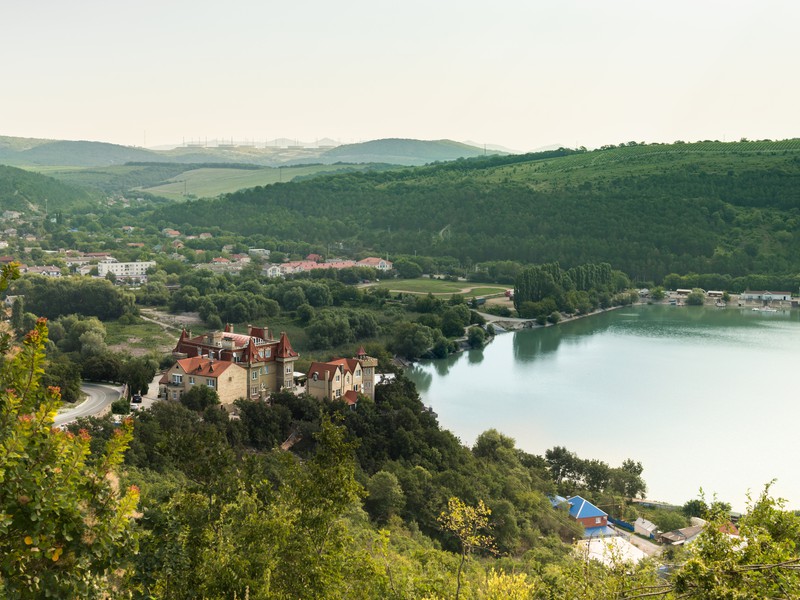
<point>518,324</point>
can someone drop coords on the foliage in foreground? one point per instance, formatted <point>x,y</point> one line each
<point>64,524</point>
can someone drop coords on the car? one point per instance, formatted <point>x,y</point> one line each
<point>137,399</point>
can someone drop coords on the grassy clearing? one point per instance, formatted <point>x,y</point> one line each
<point>210,182</point>
<point>139,338</point>
<point>438,286</point>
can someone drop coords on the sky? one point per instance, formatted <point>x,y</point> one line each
<point>520,74</point>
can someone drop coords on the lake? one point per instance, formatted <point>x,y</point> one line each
<point>703,397</point>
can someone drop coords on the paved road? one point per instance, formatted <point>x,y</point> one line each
<point>100,395</point>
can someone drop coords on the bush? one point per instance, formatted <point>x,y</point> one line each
<point>120,407</point>
<point>476,337</point>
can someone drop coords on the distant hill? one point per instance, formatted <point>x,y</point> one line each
<point>76,154</point>
<point>401,152</point>
<point>28,192</point>
<point>30,152</point>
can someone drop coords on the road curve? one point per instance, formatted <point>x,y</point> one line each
<point>100,395</point>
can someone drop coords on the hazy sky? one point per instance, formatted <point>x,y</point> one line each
<point>523,74</point>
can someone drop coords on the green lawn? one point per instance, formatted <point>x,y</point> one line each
<point>438,286</point>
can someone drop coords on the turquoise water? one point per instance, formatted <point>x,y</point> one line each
<point>703,397</point>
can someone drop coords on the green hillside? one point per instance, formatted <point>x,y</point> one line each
<point>81,154</point>
<point>25,192</point>
<point>177,181</point>
<point>706,207</point>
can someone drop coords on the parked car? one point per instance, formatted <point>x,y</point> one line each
<point>137,398</point>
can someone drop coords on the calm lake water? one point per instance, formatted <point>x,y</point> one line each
<point>703,397</point>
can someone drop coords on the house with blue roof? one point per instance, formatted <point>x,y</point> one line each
<point>594,520</point>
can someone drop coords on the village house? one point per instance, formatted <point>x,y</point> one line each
<point>681,536</point>
<point>269,363</point>
<point>343,378</point>
<point>594,520</point>
<point>47,271</point>
<point>644,527</point>
<point>376,263</point>
<point>226,378</point>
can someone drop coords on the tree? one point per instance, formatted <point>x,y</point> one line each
<point>384,496</point>
<point>696,298</point>
<point>469,525</point>
<point>407,269</point>
<point>199,398</point>
<point>137,374</point>
<point>476,337</point>
<point>65,527</point>
<point>17,314</point>
<point>761,563</point>
<point>412,340</point>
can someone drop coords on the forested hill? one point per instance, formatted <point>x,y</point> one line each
<point>24,191</point>
<point>647,209</point>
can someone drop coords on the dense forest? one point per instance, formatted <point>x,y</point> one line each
<point>649,210</point>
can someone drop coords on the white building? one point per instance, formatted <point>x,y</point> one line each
<point>765,296</point>
<point>136,270</point>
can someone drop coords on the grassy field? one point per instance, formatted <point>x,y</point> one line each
<point>439,286</point>
<point>140,338</point>
<point>211,182</point>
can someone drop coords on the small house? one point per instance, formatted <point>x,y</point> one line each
<point>594,520</point>
<point>644,527</point>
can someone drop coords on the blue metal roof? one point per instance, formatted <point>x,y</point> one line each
<point>556,500</point>
<point>580,508</point>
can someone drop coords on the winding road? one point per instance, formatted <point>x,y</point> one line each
<point>100,395</point>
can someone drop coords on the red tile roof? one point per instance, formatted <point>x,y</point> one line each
<point>319,368</point>
<point>351,397</point>
<point>204,367</point>
<point>285,349</point>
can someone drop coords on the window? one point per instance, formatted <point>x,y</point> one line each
<point>191,380</point>
<point>338,393</point>
<point>598,520</point>
<point>254,390</point>
<point>338,378</point>
<point>254,375</point>
<point>211,383</point>
<point>267,353</point>
<point>358,372</point>
<point>288,370</point>
<point>355,388</point>
<point>266,369</point>
<point>177,378</point>
<point>367,385</point>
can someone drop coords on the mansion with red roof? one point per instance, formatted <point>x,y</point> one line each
<point>223,376</point>
<point>343,378</point>
<point>268,363</point>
